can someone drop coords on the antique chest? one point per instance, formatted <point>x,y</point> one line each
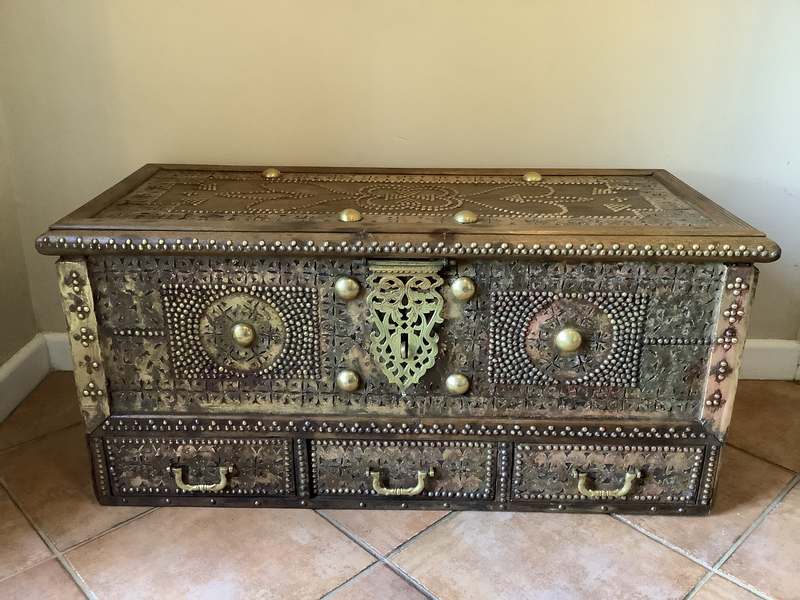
<point>563,340</point>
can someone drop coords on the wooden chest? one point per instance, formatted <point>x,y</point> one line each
<point>443,339</point>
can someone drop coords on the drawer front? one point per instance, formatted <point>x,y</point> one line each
<point>600,473</point>
<point>407,469</point>
<point>170,466</point>
<point>285,335</point>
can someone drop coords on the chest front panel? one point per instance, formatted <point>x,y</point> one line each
<point>167,331</point>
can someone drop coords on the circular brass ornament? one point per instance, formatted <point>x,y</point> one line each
<point>350,215</point>
<point>568,339</point>
<point>465,217</point>
<point>532,177</point>
<point>346,288</point>
<point>347,380</point>
<point>457,383</point>
<point>463,288</point>
<point>243,334</point>
<point>270,173</point>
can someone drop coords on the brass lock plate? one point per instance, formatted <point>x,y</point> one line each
<point>404,308</point>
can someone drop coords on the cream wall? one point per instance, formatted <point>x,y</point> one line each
<point>707,89</point>
<point>18,324</point>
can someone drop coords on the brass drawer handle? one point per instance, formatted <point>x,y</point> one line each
<point>422,476</point>
<point>617,493</point>
<point>177,473</point>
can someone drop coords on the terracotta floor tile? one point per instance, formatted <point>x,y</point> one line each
<point>220,553</point>
<point>379,581</point>
<point>769,559</point>
<point>20,545</point>
<point>538,555</point>
<point>766,421</point>
<point>51,479</point>
<point>719,588</point>
<point>47,581</point>
<point>384,530</point>
<point>746,487</point>
<point>52,405</point>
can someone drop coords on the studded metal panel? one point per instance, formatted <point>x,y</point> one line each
<point>525,323</point>
<point>549,471</point>
<point>461,469</point>
<point>555,201</point>
<point>261,467</point>
<point>660,372</point>
<point>200,319</point>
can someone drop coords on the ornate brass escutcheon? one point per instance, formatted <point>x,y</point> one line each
<point>416,490</point>
<point>177,473</point>
<point>404,307</point>
<point>619,492</point>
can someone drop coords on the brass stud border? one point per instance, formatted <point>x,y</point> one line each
<point>715,252</point>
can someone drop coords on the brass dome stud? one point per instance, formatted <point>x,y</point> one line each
<point>457,384</point>
<point>531,177</point>
<point>463,288</point>
<point>465,217</point>
<point>270,173</point>
<point>568,339</point>
<point>347,380</point>
<point>350,215</point>
<point>346,288</point>
<point>243,334</point>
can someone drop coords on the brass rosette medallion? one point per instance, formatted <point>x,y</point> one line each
<point>404,307</point>
<point>242,332</point>
<point>222,332</point>
<point>548,338</point>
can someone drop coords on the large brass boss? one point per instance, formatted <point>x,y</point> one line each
<point>243,334</point>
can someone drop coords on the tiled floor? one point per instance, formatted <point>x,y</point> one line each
<point>57,542</point>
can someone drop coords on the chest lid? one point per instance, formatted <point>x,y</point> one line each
<point>586,214</point>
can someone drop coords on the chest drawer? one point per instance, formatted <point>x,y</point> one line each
<point>199,467</point>
<point>596,473</point>
<point>418,468</point>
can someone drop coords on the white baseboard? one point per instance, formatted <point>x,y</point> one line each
<point>771,359</point>
<point>58,348</point>
<point>763,359</point>
<point>23,372</point>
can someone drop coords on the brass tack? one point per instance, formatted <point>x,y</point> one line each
<point>350,215</point>
<point>532,177</point>
<point>465,217</point>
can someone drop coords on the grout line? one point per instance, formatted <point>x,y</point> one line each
<point>112,528</point>
<point>716,568</point>
<point>381,558</point>
<point>663,542</point>
<point>33,565</point>
<point>414,537</point>
<point>413,582</point>
<point>700,583</point>
<point>410,580</point>
<point>364,545</point>
<point>332,591</point>
<point>38,438</point>
<point>57,554</point>
<point>758,520</point>
<point>743,584</point>
<point>77,578</point>
<point>754,455</point>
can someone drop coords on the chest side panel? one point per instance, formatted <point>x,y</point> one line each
<point>166,330</point>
